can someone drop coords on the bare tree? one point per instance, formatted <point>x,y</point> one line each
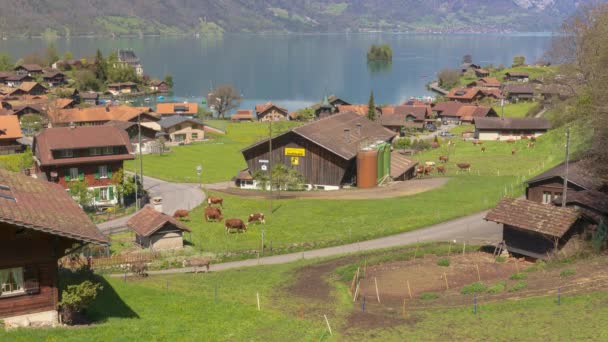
<point>223,99</point>
<point>448,78</point>
<point>467,59</point>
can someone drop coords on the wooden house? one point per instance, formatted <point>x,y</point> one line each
<point>457,113</point>
<point>482,72</point>
<point>519,92</point>
<point>324,151</point>
<point>243,115</point>
<point>465,67</point>
<point>39,223</point>
<point>405,117</point>
<point>54,78</point>
<point>185,109</point>
<point>182,130</point>
<point>465,95</point>
<point>148,135</point>
<point>157,231</point>
<point>28,69</point>
<point>534,229</point>
<point>159,86</point>
<point>33,88</point>
<point>549,185</point>
<point>90,98</point>
<point>328,106</point>
<point>122,88</point>
<point>16,80</point>
<point>10,133</point>
<point>517,76</point>
<point>492,128</point>
<point>485,82</point>
<point>95,116</point>
<point>271,112</point>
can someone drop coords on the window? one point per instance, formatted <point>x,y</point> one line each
<point>557,195</point>
<point>194,136</point>
<point>103,171</point>
<point>95,151</point>
<point>108,150</point>
<point>11,281</point>
<point>66,153</point>
<point>104,194</point>
<point>73,174</point>
<point>547,197</point>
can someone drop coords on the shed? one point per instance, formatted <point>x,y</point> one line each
<point>487,128</point>
<point>517,92</point>
<point>156,230</point>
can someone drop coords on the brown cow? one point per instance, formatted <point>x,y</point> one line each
<point>195,263</point>
<point>510,141</point>
<point>441,169</point>
<point>530,145</point>
<point>483,149</point>
<point>533,138</point>
<point>464,167</point>
<point>443,159</point>
<point>237,224</point>
<point>420,171</point>
<point>259,217</point>
<point>428,170</point>
<point>215,200</point>
<point>513,151</point>
<point>477,142</point>
<point>214,214</point>
<point>181,214</point>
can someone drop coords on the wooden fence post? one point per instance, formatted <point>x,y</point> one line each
<point>478,274</point>
<point>409,289</point>
<point>328,326</point>
<point>445,276</point>
<point>377,293</point>
<point>258,297</point>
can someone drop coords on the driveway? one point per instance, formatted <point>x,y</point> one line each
<point>175,196</point>
<point>469,229</point>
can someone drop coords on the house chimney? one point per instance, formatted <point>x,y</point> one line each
<point>347,135</point>
<point>359,129</point>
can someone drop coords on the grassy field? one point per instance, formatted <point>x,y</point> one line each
<point>515,110</point>
<point>220,157</point>
<point>533,71</point>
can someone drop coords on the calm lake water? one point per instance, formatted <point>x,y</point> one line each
<point>296,70</point>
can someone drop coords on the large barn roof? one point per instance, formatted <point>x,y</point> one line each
<point>512,123</point>
<point>577,174</point>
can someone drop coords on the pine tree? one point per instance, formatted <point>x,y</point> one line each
<point>101,69</point>
<point>371,111</point>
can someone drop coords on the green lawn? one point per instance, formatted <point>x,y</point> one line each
<point>533,71</point>
<point>220,157</point>
<point>515,110</point>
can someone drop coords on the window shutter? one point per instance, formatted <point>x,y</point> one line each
<point>111,195</point>
<point>66,174</point>
<point>109,171</point>
<point>31,283</point>
<point>97,172</point>
<point>80,174</point>
<point>97,195</point>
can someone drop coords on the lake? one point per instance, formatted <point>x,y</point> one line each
<point>297,70</point>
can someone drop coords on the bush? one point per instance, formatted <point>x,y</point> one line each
<point>518,276</point>
<point>429,296</point>
<point>540,265</point>
<point>567,273</point>
<point>443,262</point>
<point>77,298</point>
<point>520,285</point>
<point>474,288</point>
<point>382,52</point>
<point>498,287</point>
<point>500,259</point>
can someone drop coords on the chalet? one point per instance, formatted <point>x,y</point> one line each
<point>189,110</point>
<point>549,185</point>
<point>39,223</point>
<point>519,92</point>
<point>157,231</point>
<point>243,115</point>
<point>122,88</point>
<point>270,112</point>
<point>405,117</point>
<point>54,78</point>
<point>485,82</point>
<point>93,116</point>
<point>21,110</point>
<point>456,112</point>
<point>492,93</point>
<point>533,229</point>
<point>517,76</point>
<point>593,205</point>
<point>32,88</point>
<point>10,133</point>
<point>91,154</point>
<point>482,73</point>
<point>553,92</point>
<point>159,86</point>
<point>17,79</point>
<point>509,128</point>
<point>128,57</point>
<point>181,129</point>
<point>324,151</point>
<point>328,101</point>
<point>465,95</point>
<point>4,75</point>
<point>28,69</point>
<point>464,67</point>
<point>148,135</point>
<point>90,98</point>
<point>361,110</point>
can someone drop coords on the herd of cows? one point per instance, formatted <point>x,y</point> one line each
<point>213,213</point>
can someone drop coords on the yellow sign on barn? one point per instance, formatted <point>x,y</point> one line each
<point>295,160</point>
<point>295,152</point>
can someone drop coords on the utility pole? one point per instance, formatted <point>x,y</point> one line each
<point>564,192</point>
<point>270,160</point>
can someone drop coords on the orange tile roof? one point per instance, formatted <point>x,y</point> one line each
<point>182,108</point>
<point>9,127</point>
<point>246,114</point>
<point>91,114</point>
<point>359,109</point>
<point>261,108</point>
<point>463,93</point>
<point>28,86</point>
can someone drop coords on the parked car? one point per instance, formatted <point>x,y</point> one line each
<point>431,127</point>
<point>446,134</point>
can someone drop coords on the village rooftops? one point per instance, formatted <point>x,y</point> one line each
<point>9,127</point>
<point>148,221</point>
<point>261,108</point>
<point>512,123</point>
<point>73,138</point>
<point>98,114</point>
<point>46,207</point>
<point>343,134</point>
<point>463,93</point>
<point>242,114</point>
<point>177,109</point>
<point>595,200</point>
<point>533,216</point>
<point>577,174</point>
<point>29,67</point>
<point>519,88</point>
<point>28,86</point>
<point>176,120</point>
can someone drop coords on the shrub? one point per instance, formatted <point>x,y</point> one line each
<point>518,276</point>
<point>498,287</point>
<point>500,259</point>
<point>539,265</point>
<point>567,273</point>
<point>474,288</point>
<point>429,296</point>
<point>520,285</point>
<point>443,262</point>
<point>77,298</point>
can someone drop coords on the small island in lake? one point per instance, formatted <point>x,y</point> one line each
<point>382,53</point>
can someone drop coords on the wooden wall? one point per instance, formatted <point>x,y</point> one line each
<point>555,185</point>
<point>319,166</point>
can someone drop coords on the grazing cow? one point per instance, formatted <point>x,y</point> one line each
<point>483,149</point>
<point>464,167</point>
<point>513,151</point>
<point>139,269</point>
<point>259,217</point>
<point>435,144</point>
<point>533,138</point>
<point>510,141</point>
<point>443,159</point>
<point>237,224</point>
<point>530,145</point>
<point>195,263</point>
<point>429,163</point>
<point>524,137</point>
<point>181,214</point>
<point>477,142</point>
<point>420,171</point>
<point>215,200</point>
<point>213,214</point>
<point>428,170</point>
<point>441,169</point>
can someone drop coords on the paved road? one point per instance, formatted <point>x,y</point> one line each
<point>175,196</point>
<point>470,228</point>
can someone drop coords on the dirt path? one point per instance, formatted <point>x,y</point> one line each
<point>396,189</point>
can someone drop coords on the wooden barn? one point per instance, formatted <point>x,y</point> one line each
<point>156,230</point>
<point>324,151</point>
<point>549,185</point>
<point>39,224</point>
<point>493,128</point>
<point>534,229</point>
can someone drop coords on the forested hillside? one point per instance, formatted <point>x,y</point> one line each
<point>121,17</point>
